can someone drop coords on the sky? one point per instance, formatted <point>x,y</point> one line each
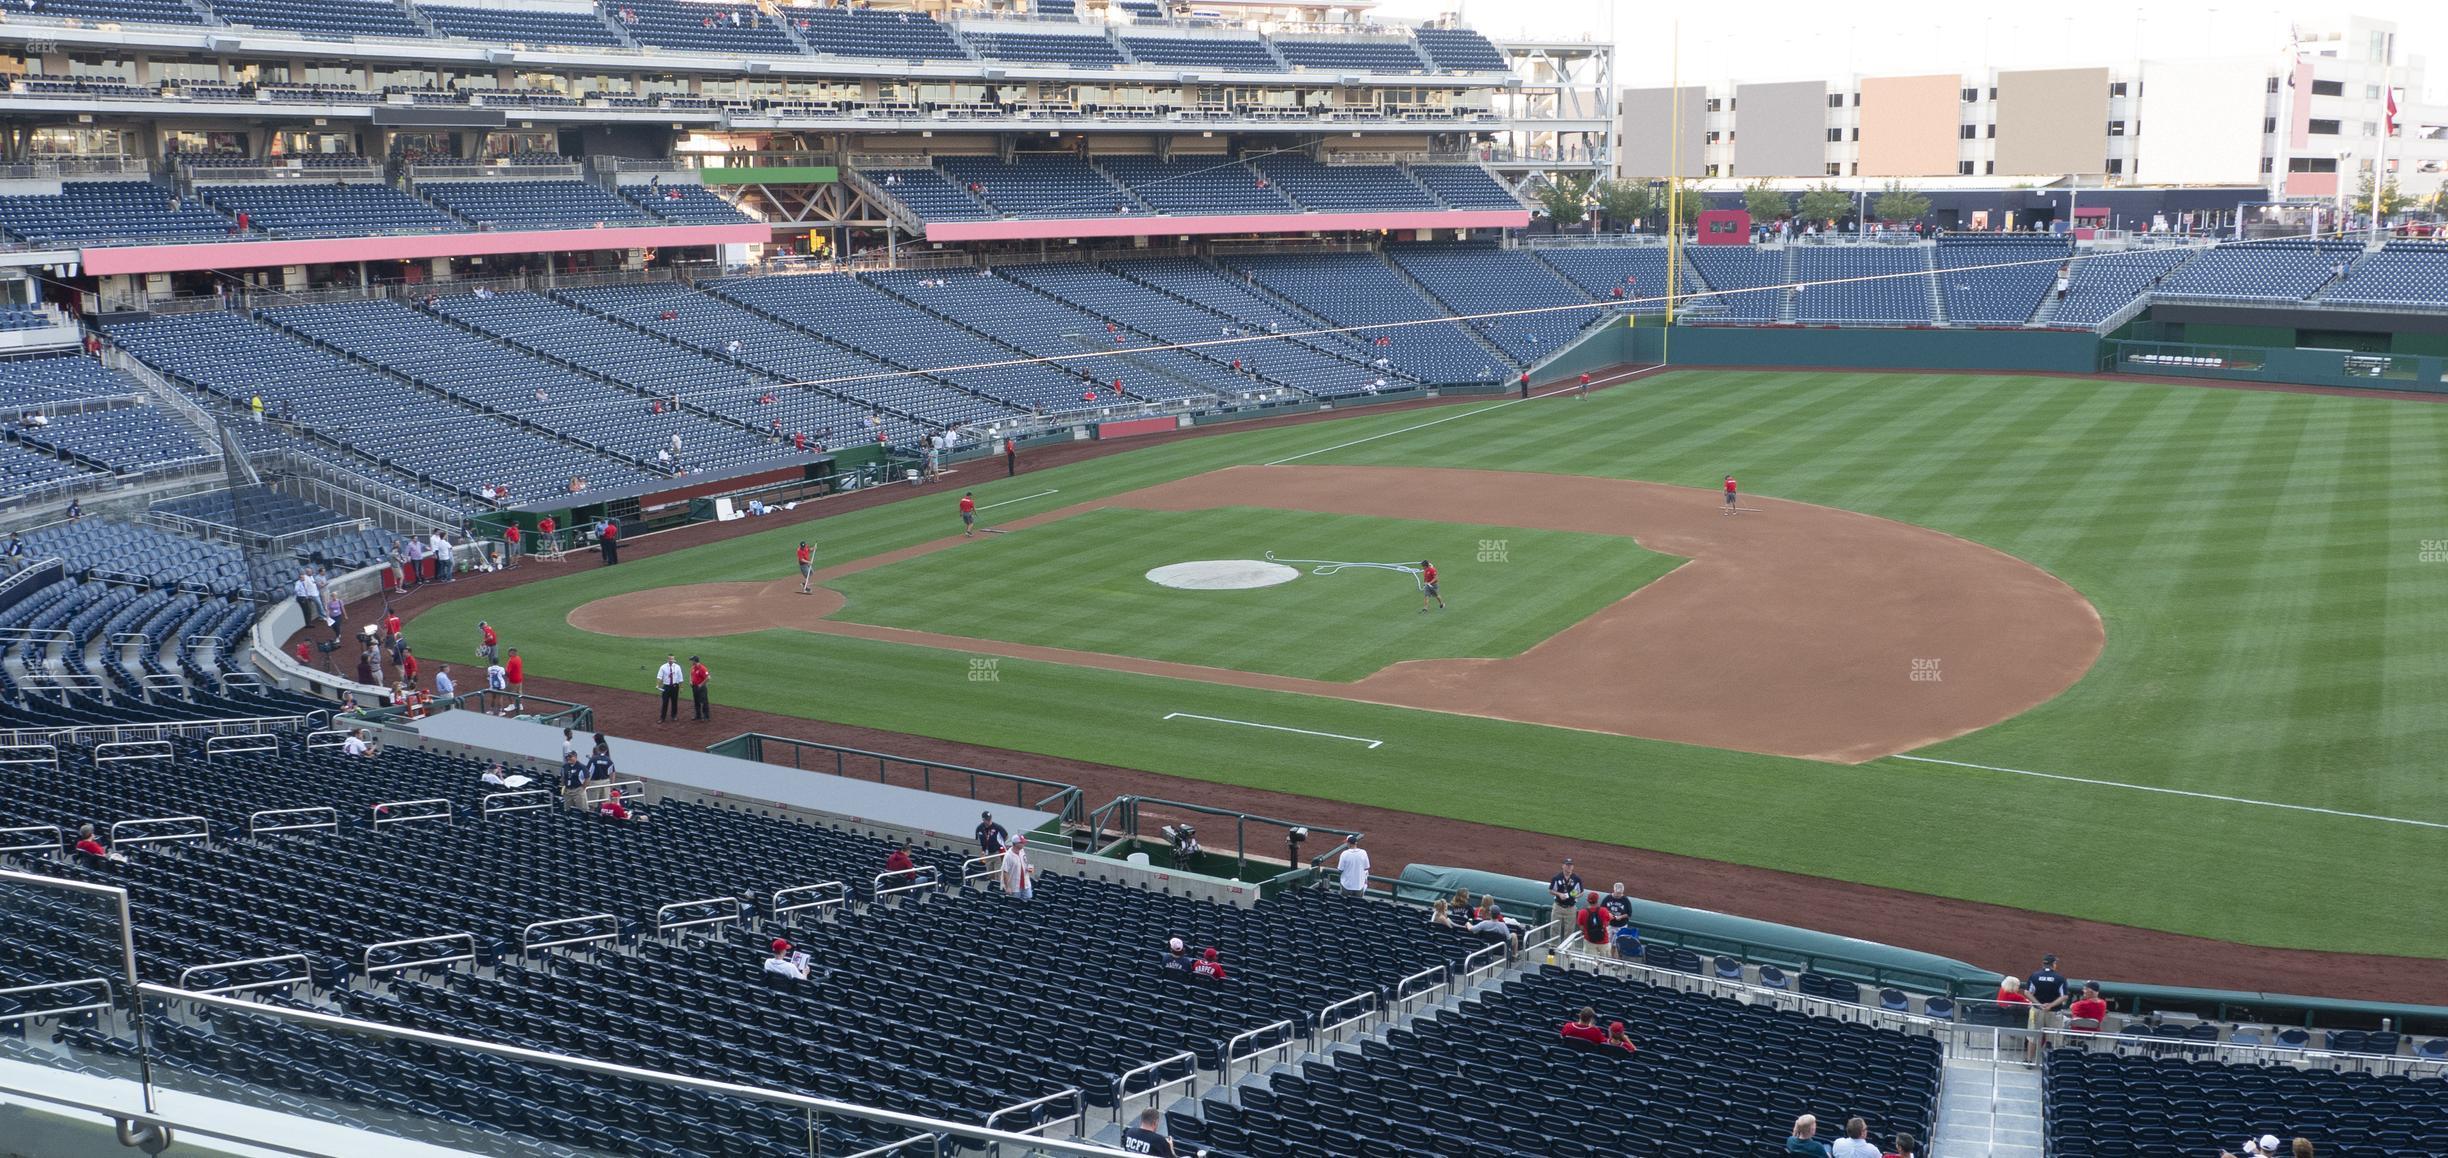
<point>1774,40</point>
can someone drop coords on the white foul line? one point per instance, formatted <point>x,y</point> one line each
<point>2181,792</point>
<point>1274,728</point>
<point>1464,414</point>
<point>1021,499</point>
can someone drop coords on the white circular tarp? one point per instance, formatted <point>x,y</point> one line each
<point>1222,574</point>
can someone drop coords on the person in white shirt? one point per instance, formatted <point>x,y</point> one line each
<point>786,964</point>
<point>667,681</point>
<point>444,556</point>
<point>1353,864</point>
<point>1855,1143</point>
<point>356,744</point>
<point>308,600</point>
<point>1019,876</point>
<point>497,677</point>
<point>493,777</point>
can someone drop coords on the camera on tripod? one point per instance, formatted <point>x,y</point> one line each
<point>1185,842</point>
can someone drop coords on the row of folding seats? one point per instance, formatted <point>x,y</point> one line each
<point>929,194</point>
<point>2402,272</point>
<point>1039,325</point>
<point>533,204</point>
<point>328,210</point>
<point>699,26</point>
<point>1196,186</point>
<point>1352,54</point>
<point>1460,50</point>
<point>2260,270</point>
<point>1637,271</point>
<point>2098,1105</point>
<point>124,440</point>
<point>24,469</point>
<point>1041,186</point>
<point>1466,186</point>
<point>1234,53</point>
<point>529,26</point>
<point>1998,280</point>
<point>97,212</point>
<point>1741,267</point>
<point>1827,289</point>
<point>1107,294</point>
<point>145,11</point>
<point>2105,283</point>
<point>1488,280</point>
<point>1345,188</point>
<point>877,33</point>
<point>1361,290</point>
<point>682,204</point>
<point>1078,49</point>
<point>338,17</point>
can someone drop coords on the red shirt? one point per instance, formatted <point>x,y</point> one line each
<point>490,638</point>
<point>1213,969</point>
<point>391,625</point>
<point>613,809</point>
<point>798,441</point>
<point>408,665</point>
<point>91,847</point>
<point>968,505</point>
<point>697,675</point>
<point>1729,486</point>
<point>806,554</point>
<point>1428,575</point>
<point>545,524</point>
<point>899,861</point>
<point>514,671</point>
<point>1585,379</point>
<point>1580,1032</point>
<point>1592,921</point>
<point>305,653</point>
<point>2092,1008</point>
<point>510,534</point>
<point>611,532</point>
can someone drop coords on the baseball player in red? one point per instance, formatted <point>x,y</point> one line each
<point>1730,508</point>
<point>1428,587</point>
<point>1585,385</point>
<point>968,508</point>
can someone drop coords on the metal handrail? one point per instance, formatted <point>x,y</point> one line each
<point>220,745</point>
<point>305,966</point>
<point>59,838</point>
<point>52,759</point>
<point>914,872</point>
<point>664,926</point>
<point>1402,988</point>
<point>326,738</point>
<point>1319,1027</point>
<point>993,868</point>
<point>895,1147</point>
<point>1079,1110</point>
<point>1495,954</point>
<point>528,943</point>
<point>1122,1090</point>
<point>841,896</point>
<point>380,808</point>
<point>1229,1059</point>
<point>366,965</point>
<point>203,830</point>
<point>486,808</point>
<point>256,827</point>
<point>64,1010</point>
<point>629,789</point>
<point>137,749</point>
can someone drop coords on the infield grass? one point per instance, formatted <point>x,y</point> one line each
<point>1081,583</point>
<point>2277,631</point>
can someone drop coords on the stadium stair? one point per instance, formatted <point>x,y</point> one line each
<point>1966,1122</point>
<point>1426,294</point>
<point>1937,293</point>
<point>1787,307</point>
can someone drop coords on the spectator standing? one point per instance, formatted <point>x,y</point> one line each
<point>1353,866</point>
<point>365,668</point>
<point>304,591</point>
<point>514,675</point>
<point>1855,1143</point>
<point>807,568</point>
<point>440,548</point>
<point>1144,1138</point>
<point>698,679</point>
<point>488,642</point>
<point>599,761</point>
<point>444,687</point>
<point>497,677</point>
<point>1594,923</point>
<point>1011,457</point>
<point>418,569</point>
<point>407,665</point>
<point>991,837</point>
<point>1585,386</point>
<point>391,623</point>
<point>1564,891</point>
<point>667,684</point>
<point>2047,988</point>
<point>510,545</point>
<point>1019,876</point>
<point>335,609</point>
<point>608,537</point>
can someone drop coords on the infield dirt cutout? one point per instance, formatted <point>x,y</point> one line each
<point>1794,630</point>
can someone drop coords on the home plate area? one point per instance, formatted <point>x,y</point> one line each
<point>1222,574</point>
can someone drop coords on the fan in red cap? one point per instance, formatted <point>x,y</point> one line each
<point>785,965</point>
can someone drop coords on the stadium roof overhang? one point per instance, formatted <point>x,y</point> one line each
<point>1037,229</point>
<point>136,259</point>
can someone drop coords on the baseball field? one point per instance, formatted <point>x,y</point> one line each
<point>2162,656</point>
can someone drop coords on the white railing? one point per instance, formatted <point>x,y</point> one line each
<point>663,914</point>
<point>239,743</point>
<point>305,969</point>
<point>1124,1095</point>
<point>920,877</point>
<point>1323,1024</point>
<point>197,828</point>
<point>366,965</point>
<point>383,814</point>
<point>86,985</point>
<point>328,818</point>
<point>823,895</point>
<point>1231,1061</point>
<point>528,943</point>
<point>1079,1112</point>
<point>58,841</point>
<point>532,799</point>
<point>979,868</point>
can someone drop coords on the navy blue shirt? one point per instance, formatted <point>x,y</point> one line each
<point>1569,883</point>
<point>2045,985</point>
<point>991,837</point>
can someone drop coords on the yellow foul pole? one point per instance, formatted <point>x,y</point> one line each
<point>1674,185</point>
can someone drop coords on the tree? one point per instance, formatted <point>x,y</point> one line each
<point>1766,204</point>
<point>1566,197</point>
<point>1623,202</point>
<point>1825,204</point>
<point>2392,200</point>
<point>1897,203</point>
<point>1688,202</point>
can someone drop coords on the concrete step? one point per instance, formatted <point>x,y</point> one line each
<point>1988,1111</point>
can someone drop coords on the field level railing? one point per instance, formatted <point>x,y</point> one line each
<point>1065,801</point>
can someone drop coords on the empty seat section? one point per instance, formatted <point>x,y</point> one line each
<point>701,26</point>
<point>1236,53</point>
<point>1196,186</point>
<point>2260,270</point>
<point>684,204</point>
<point>2105,283</point>
<point>1352,54</point>
<point>893,35</point>
<point>533,204</point>
<point>1728,268</point>
<point>1359,290</point>
<point>339,17</point>
<point>1077,49</point>
<point>123,440</point>
<point>102,212</point>
<point>1997,281</point>
<point>2102,1105</point>
<point>319,210</point>
<point>2403,272</point>
<point>1466,186</point>
<point>133,11</point>
<point>865,318</point>
<point>1345,188</point>
<point>1021,317</point>
<point>1600,270</point>
<point>26,382</point>
<point>1144,310</point>
<point>579,29</point>
<point>1238,298</point>
<point>1040,186</point>
<point>1487,280</point>
<point>929,194</point>
<point>1863,286</point>
<point>1460,50</point>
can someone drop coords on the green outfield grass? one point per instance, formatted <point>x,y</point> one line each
<point>1081,582</point>
<point>2277,632</point>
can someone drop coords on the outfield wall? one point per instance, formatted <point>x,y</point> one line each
<point>1954,350</point>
